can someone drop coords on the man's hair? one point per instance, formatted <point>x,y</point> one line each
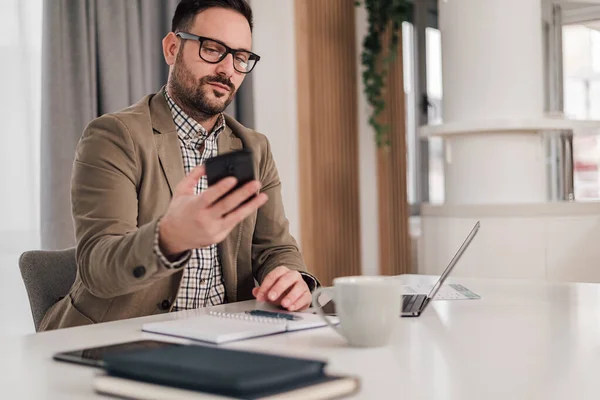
<point>188,9</point>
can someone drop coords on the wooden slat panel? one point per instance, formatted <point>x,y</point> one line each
<point>394,209</point>
<point>328,137</point>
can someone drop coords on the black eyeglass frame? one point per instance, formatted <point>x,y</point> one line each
<point>228,50</point>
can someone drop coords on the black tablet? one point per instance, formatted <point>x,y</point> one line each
<point>93,356</point>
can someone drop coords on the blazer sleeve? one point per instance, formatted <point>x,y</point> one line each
<point>114,255</point>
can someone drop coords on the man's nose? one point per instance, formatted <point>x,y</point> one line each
<point>225,67</point>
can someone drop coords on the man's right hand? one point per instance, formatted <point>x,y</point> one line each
<point>195,221</point>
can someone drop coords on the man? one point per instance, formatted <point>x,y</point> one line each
<point>151,236</point>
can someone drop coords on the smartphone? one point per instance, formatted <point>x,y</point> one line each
<point>93,356</point>
<point>238,164</point>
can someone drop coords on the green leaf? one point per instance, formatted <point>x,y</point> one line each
<point>383,15</point>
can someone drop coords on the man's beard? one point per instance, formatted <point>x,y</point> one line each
<point>193,94</point>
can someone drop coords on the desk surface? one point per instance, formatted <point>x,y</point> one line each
<point>522,340</point>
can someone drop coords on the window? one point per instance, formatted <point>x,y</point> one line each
<point>422,59</point>
<point>20,79</point>
<point>434,94</point>
<point>410,97</point>
<point>581,87</point>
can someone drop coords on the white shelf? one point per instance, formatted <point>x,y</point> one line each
<point>508,126</point>
<point>520,210</point>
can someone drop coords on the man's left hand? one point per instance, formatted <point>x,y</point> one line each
<point>284,287</point>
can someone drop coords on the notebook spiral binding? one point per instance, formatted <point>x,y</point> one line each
<point>246,317</point>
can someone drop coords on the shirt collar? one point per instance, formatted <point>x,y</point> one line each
<point>188,129</point>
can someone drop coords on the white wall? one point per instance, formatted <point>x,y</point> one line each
<point>275,95</point>
<point>369,210</point>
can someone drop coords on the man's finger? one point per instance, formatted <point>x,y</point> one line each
<point>302,303</point>
<point>188,184</point>
<point>270,280</point>
<point>237,216</point>
<point>294,295</point>
<point>283,284</point>
<point>232,201</point>
<point>216,191</point>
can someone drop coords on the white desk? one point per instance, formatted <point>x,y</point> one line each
<point>522,340</point>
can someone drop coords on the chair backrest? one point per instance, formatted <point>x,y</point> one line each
<point>48,276</point>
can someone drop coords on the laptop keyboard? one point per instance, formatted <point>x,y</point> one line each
<point>412,302</point>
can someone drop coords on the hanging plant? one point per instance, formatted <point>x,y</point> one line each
<point>380,48</point>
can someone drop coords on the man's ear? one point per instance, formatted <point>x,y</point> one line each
<point>171,44</point>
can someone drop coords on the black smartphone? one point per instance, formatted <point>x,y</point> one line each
<point>93,356</point>
<point>238,164</point>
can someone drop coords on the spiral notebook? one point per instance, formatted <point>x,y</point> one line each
<point>221,327</point>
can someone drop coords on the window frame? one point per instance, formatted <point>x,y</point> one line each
<point>425,16</point>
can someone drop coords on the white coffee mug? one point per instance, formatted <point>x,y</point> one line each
<point>368,307</point>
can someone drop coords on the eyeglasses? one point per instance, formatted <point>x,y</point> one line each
<point>213,52</point>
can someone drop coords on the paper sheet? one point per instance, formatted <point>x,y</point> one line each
<point>452,291</point>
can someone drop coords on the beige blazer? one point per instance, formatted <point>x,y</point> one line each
<point>127,165</point>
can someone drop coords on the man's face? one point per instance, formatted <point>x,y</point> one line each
<point>203,87</point>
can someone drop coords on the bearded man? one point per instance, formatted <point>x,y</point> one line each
<point>152,237</point>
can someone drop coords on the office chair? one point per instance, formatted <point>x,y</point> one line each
<point>48,276</point>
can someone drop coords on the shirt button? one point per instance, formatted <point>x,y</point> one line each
<point>202,281</point>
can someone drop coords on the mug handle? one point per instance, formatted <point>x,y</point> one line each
<point>316,294</point>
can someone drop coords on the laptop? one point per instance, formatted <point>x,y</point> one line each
<point>414,304</point>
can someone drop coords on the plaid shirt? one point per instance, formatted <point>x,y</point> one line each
<point>202,283</point>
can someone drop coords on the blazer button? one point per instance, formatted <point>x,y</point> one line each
<point>165,304</point>
<point>139,271</point>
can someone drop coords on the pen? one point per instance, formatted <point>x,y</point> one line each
<point>273,314</point>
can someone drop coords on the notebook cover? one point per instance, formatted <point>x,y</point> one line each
<point>214,370</point>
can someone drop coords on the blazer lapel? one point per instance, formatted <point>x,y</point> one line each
<point>170,157</point>
<point>167,142</point>
<point>227,141</point>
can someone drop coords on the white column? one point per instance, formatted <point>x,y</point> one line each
<point>492,59</point>
<point>493,73</point>
<point>493,168</point>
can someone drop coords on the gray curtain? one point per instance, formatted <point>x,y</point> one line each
<point>98,56</point>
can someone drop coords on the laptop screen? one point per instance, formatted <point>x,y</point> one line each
<point>454,260</point>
